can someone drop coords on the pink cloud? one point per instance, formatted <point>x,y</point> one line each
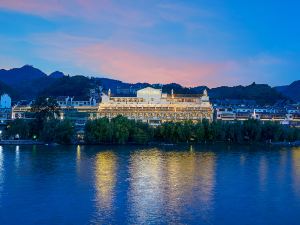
<point>134,66</point>
<point>136,62</point>
<point>127,13</point>
<point>132,62</point>
<point>93,10</point>
<point>34,7</point>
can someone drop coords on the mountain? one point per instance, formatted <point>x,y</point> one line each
<point>8,90</point>
<point>177,88</point>
<point>18,75</point>
<point>291,91</point>
<point>57,74</point>
<point>262,93</point>
<point>78,86</point>
<point>28,82</point>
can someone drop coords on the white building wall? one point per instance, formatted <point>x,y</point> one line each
<point>5,101</point>
<point>149,94</point>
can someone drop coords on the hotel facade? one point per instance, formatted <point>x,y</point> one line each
<point>154,107</point>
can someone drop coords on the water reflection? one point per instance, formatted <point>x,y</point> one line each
<point>127,185</point>
<point>181,169</point>
<point>296,170</point>
<point>171,183</point>
<point>242,159</point>
<point>283,161</point>
<point>105,181</point>
<point>78,158</point>
<point>263,172</point>
<point>17,156</point>
<point>191,181</point>
<point>206,183</point>
<point>146,187</point>
<point>1,172</point>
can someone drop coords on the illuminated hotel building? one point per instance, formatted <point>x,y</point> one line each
<point>154,107</point>
<point>150,105</point>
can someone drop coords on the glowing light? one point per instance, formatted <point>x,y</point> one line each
<point>296,169</point>
<point>1,171</point>
<point>146,188</point>
<point>78,158</point>
<point>105,172</point>
<point>17,155</point>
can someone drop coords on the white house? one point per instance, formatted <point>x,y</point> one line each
<point>5,101</point>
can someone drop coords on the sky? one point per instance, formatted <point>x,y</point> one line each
<point>191,42</point>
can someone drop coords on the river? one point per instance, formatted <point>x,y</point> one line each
<point>149,185</point>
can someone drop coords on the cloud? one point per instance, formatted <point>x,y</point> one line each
<point>92,10</point>
<point>121,13</point>
<point>131,62</point>
<point>41,8</point>
<point>266,59</point>
<point>6,62</point>
<point>135,66</point>
<point>153,41</point>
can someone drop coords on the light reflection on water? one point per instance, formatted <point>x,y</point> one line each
<point>129,185</point>
<point>146,185</point>
<point>105,180</point>
<point>78,158</point>
<point>169,183</point>
<point>296,170</point>
<point>263,172</point>
<point>17,156</point>
<point>1,172</point>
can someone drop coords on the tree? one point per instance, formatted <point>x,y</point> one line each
<point>140,136</point>
<point>17,127</point>
<point>200,133</point>
<point>64,133</point>
<point>98,131</point>
<point>252,130</point>
<point>121,127</point>
<point>59,131</point>
<point>119,130</point>
<point>44,109</point>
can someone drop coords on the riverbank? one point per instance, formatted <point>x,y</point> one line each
<point>293,144</point>
<point>21,142</point>
<point>163,144</point>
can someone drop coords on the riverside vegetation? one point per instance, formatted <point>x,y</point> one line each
<point>120,130</point>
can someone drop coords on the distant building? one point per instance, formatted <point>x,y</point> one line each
<point>5,102</point>
<point>285,116</point>
<point>95,93</point>
<point>154,107</point>
<point>74,109</point>
<point>5,109</point>
<point>234,102</point>
<point>66,101</point>
<point>22,110</point>
<point>129,91</point>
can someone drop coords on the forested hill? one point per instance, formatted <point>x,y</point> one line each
<point>291,91</point>
<point>28,82</point>
<point>261,93</point>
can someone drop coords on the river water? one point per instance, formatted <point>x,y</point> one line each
<point>149,185</point>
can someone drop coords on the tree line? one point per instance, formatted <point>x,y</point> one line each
<point>121,130</point>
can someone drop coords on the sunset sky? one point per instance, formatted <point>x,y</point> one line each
<point>195,42</point>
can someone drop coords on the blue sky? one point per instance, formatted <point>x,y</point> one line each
<point>190,42</point>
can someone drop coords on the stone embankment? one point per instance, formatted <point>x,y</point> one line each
<point>295,143</point>
<point>20,142</point>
